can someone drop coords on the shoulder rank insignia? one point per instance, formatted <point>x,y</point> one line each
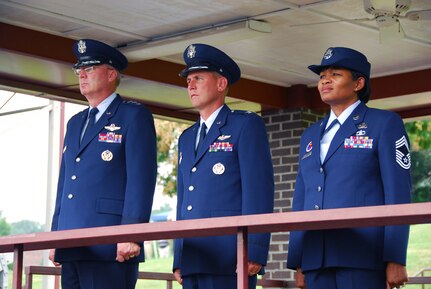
<point>402,153</point>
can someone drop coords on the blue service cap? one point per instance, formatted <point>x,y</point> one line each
<point>206,57</point>
<point>92,52</point>
<point>343,57</point>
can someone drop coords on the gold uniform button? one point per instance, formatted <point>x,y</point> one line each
<point>189,207</point>
<point>70,196</point>
<point>191,188</point>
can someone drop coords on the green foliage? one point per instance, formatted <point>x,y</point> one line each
<point>25,227</point>
<point>165,208</point>
<point>419,134</point>
<point>4,226</point>
<point>421,175</point>
<point>420,141</point>
<point>419,252</point>
<point>168,133</point>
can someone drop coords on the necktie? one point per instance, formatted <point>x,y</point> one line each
<point>91,121</point>
<point>327,137</point>
<point>202,134</point>
<point>334,122</point>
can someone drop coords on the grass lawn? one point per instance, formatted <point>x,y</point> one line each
<point>418,257</point>
<point>419,252</point>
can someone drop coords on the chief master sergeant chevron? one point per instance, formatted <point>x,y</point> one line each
<point>108,173</point>
<point>224,169</point>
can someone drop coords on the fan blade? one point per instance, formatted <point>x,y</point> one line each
<point>391,33</point>
<point>386,5</point>
<point>419,15</point>
<point>334,21</point>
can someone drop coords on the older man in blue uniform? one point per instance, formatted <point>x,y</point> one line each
<point>356,156</point>
<point>108,173</point>
<point>224,169</point>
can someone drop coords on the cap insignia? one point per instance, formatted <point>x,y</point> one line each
<point>81,46</point>
<point>191,51</point>
<point>328,53</point>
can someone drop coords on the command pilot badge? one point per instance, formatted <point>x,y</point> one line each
<point>112,127</point>
<point>223,137</point>
<point>81,46</point>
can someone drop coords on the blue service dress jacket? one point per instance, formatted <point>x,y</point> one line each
<point>109,178</point>
<point>230,175</point>
<point>367,164</point>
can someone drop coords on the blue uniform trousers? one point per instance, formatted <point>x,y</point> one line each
<point>345,278</point>
<point>204,281</point>
<point>98,275</point>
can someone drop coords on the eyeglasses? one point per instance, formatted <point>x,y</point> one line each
<point>88,70</point>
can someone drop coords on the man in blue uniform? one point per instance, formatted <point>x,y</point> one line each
<point>356,156</point>
<point>224,169</point>
<point>108,173</point>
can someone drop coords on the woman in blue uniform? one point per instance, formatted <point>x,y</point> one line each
<point>356,156</point>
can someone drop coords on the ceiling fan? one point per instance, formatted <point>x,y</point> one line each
<point>387,14</point>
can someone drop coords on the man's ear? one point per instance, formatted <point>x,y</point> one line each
<point>113,74</point>
<point>222,83</point>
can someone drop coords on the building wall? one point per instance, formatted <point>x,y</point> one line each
<point>284,128</point>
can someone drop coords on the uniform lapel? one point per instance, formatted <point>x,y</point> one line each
<point>317,136</point>
<point>101,123</point>
<point>349,127</point>
<point>187,147</point>
<point>213,133</point>
<point>74,131</point>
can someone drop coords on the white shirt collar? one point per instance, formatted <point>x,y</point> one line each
<point>209,122</point>
<point>103,106</point>
<point>344,115</point>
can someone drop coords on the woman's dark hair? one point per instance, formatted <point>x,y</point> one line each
<point>365,92</point>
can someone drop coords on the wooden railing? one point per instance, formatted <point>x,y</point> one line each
<point>168,277</point>
<point>240,225</point>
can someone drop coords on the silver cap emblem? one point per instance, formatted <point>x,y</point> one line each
<point>328,53</point>
<point>81,46</point>
<point>191,51</point>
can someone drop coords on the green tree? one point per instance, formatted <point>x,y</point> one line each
<point>421,175</point>
<point>25,227</point>
<point>4,226</point>
<point>419,134</point>
<point>420,141</point>
<point>168,133</point>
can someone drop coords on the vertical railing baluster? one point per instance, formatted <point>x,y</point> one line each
<point>17,266</point>
<point>242,258</point>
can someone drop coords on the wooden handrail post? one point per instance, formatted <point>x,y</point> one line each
<point>242,258</point>
<point>18,253</point>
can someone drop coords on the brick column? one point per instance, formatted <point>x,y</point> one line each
<point>284,128</point>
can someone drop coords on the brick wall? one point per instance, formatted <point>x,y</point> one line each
<point>284,128</point>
